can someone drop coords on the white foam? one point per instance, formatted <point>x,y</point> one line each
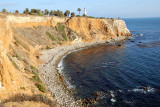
<point>142,90</point>
<point>111,92</point>
<point>128,102</point>
<point>60,69</point>
<point>113,100</point>
<point>150,89</point>
<point>69,85</point>
<point>141,34</point>
<point>112,95</point>
<point>104,66</point>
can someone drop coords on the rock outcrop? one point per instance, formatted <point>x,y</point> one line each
<point>23,37</point>
<point>98,29</point>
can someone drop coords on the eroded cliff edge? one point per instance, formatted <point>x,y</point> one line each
<point>22,38</point>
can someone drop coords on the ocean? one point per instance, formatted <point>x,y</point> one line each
<point>126,73</point>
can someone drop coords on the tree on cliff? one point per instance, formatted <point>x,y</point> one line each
<point>46,11</point>
<point>24,12</point>
<point>52,12</point>
<point>27,11</point>
<point>79,10</point>
<point>17,12</point>
<point>38,11</point>
<point>33,11</point>
<point>59,13</point>
<point>42,12</point>
<point>67,12</point>
<point>72,14</point>
<point>4,11</point>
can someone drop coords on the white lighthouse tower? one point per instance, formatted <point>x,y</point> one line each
<point>85,12</point>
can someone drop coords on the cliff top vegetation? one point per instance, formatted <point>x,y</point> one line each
<point>46,12</point>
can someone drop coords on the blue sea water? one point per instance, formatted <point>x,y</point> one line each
<point>126,75</point>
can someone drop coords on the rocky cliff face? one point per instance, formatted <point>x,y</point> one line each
<point>23,37</point>
<point>98,29</point>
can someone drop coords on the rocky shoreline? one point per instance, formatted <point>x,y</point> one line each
<point>54,80</point>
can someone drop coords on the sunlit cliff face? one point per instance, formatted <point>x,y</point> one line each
<point>23,37</point>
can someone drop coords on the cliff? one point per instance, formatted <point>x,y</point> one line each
<point>22,38</point>
<point>98,29</point>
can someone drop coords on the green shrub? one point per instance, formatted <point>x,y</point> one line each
<point>61,30</point>
<point>33,68</point>
<point>36,78</point>
<point>16,43</point>
<point>41,87</point>
<point>59,43</point>
<point>50,36</point>
<point>64,36</point>
<point>78,16</point>
<point>17,56</point>
<point>74,37</point>
<point>23,88</point>
<point>38,82</point>
<point>15,65</point>
<point>102,17</point>
<point>90,17</point>
<point>40,14</point>
<point>61,27</point>
<point>26,69</point>
<point>59,39</point>
<point>47,47</point>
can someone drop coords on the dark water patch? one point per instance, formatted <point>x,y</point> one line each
<point>121,74</point>
<point>150,45</point>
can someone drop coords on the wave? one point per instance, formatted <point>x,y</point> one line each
<point>144,90</point>
<point>113,99</point>
<point>60,69</point>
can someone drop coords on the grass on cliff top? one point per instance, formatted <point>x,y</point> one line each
<point>50,36</point>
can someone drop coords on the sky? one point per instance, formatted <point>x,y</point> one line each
<point>96,8</point>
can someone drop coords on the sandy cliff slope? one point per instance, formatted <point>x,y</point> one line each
<point>98,29</point>
<point>22,38</point>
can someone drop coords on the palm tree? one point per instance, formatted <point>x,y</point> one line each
<point>72,14</point>
<point>67,12</point>
<point>57,13</point>
<point>4,11</point>
<point>52,12</point>
<point>38,11</point>
<point>17,12</point>
<point>33,11</point>
<point>61,14</point>
<point>24,12</point>
<point>46,12</point>
<point>27,11</point>
<point>79,10</point>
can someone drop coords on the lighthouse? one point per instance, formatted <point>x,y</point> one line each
<point>85,12</point>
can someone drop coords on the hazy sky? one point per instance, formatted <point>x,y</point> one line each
<point>97,8</point>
